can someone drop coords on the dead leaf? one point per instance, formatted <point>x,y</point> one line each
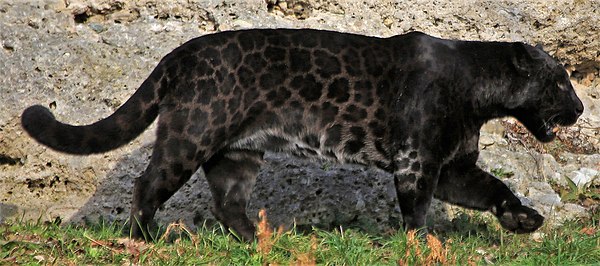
<point>590,231</point>
<point>264,234</point>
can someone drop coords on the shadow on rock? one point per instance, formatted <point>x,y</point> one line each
<point>7,210</point>
<point>294,192</point>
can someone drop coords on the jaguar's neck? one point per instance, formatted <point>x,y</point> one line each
<point>488,78</point>
<point>487,97</point>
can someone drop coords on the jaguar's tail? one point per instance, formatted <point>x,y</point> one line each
<point>125,124</point>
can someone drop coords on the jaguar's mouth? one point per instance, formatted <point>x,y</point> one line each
<point>548,128</point>
<point>548,131</point>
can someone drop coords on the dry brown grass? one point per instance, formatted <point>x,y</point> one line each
<point>435,252</point>
<point>307,258</point>
<point>266,239</point>
<point>264,234</point>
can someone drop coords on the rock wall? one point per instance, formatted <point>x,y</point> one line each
<point>85,58</point>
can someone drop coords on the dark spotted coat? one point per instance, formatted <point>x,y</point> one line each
<point>411,105</point>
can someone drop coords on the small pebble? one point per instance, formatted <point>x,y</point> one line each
<point>98,28</point>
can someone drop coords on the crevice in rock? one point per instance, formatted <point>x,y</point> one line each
<point>5,159</point>
<point>81,18</point>
<point>586,72</point>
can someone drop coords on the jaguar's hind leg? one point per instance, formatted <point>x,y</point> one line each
<point>172,164</point>
<point>231,176</point>
<point>151,190</point>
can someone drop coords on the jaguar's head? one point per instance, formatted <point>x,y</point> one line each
<point>541,94</point>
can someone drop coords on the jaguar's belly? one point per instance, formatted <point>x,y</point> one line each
<point>313,145</point>
<point>275,140</point>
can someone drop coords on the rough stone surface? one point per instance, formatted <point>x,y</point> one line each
<point>85,58</point>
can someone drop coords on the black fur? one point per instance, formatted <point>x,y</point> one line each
<point>411,105</point>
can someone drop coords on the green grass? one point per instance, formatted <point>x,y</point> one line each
<point>500,172</point>
<point>475,240</point>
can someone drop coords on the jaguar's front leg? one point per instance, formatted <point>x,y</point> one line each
<point>463,183</point>
<point>415,180</point>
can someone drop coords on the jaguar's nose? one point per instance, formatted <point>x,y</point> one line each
<point>579,110</point>
<point>578,104</point>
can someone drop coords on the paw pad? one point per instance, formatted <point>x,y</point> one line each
<point>521,219</point>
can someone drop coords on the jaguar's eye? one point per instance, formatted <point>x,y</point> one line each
<point>561,85</point>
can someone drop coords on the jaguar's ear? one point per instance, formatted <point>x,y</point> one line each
<point>522,57</point>
<point>539,46</point>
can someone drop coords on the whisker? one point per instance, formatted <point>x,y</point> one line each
<point>549,122</point>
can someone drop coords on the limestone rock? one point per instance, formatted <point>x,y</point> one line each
<point>84,58</point>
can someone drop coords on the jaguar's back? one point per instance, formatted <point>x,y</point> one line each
<point>226,98</point>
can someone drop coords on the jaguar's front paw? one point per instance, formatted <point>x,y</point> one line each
<point>520,219</point>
